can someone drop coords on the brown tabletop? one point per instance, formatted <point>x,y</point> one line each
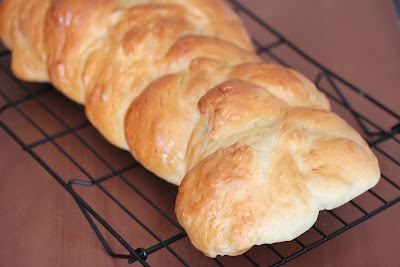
<point>41,224</point>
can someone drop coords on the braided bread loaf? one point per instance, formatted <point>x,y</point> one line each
<point>178,84</point>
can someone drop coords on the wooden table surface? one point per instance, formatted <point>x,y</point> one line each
<point>41,225</point>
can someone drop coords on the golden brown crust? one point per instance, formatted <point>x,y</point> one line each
<point>22,30</point>
<point>234,103</point>
<point>142,37</point>
<point>179,85</point>
<point>70,28</point>
<point>270,186</point>
<point>149,128</point>
<point>286,84</point>
<point>216,198</point>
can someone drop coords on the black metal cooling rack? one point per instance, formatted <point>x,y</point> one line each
<point>382,136</point>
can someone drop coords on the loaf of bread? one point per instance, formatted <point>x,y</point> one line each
<point>254,147</point>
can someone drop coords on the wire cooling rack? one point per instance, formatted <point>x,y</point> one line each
<point>121,181</point>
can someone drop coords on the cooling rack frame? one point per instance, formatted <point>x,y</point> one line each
<point>337,93</point>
